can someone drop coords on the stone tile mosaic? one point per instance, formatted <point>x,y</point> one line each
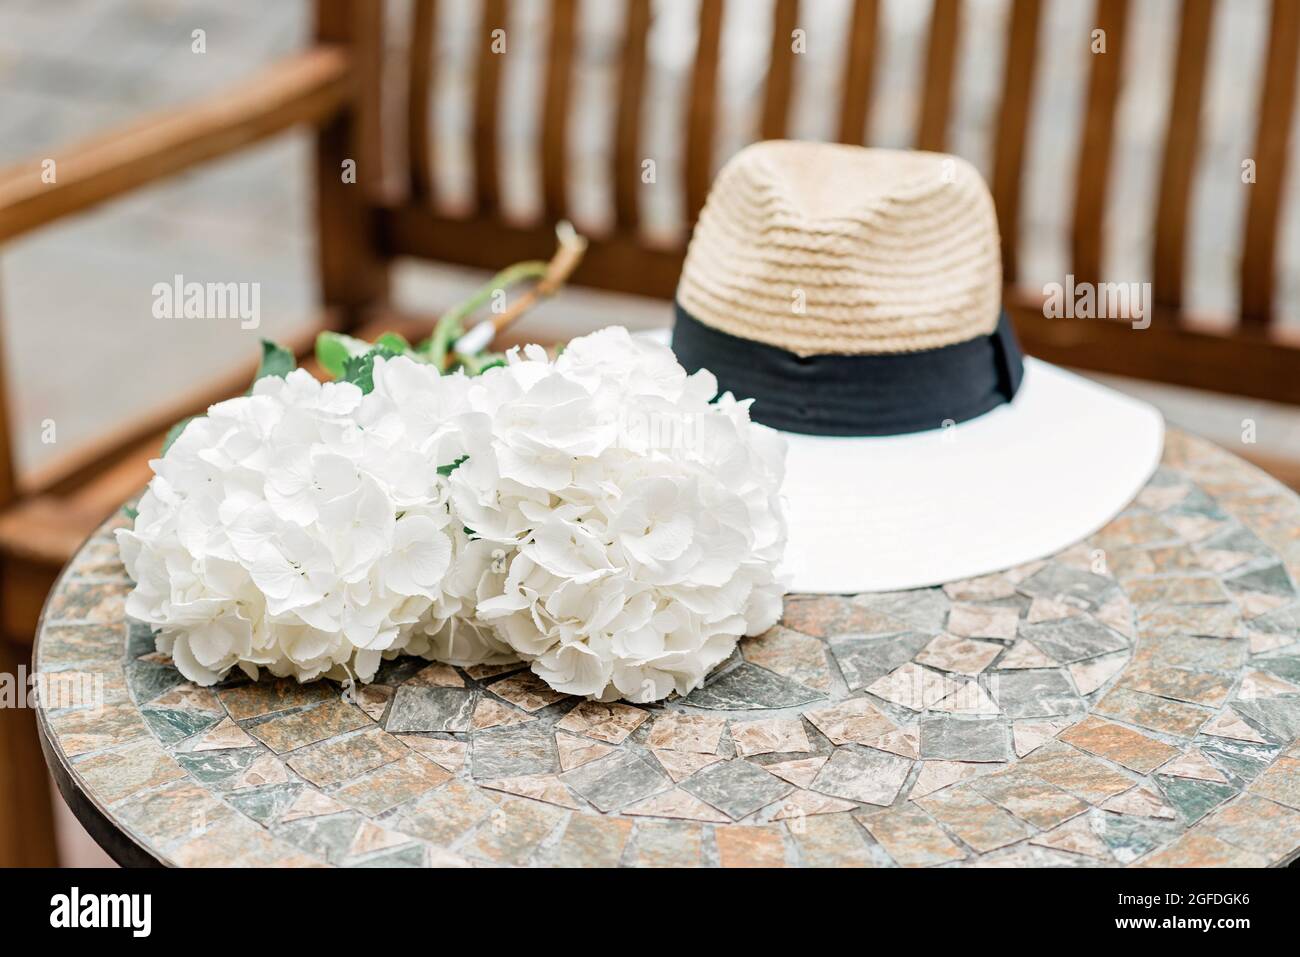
<point>680,765</point>
<point>614,781</point>
<point>974,819</point>
<point>964,739</point>
<point>911,837</point>
<point>678,804</point>
<point>861,775</point>
<point>748,687</point>
<point>695,733</point>
<point>424,708</point>
<point>1132,749</point>
<point>736,788</point>
<point>750,846</point>
<point>863,661</point>
<point>792,655</point>
<point>1035,694</point>
<point>769,735</point>
<point>611,723</point>
<point>287,732</point>
<point>1144,709</point>
<point>961,655</point>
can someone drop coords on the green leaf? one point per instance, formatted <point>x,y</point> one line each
<point>131,513</point>
<point>333,349</point>
<point>394,341</point>
<point>276,360</point>
<point>445,470</point>
<point>175,431</point>
<point>360,370</point>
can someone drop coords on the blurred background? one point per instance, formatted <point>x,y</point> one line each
<point>82,349</point>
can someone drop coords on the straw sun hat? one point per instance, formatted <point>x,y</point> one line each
<point>855,294</point>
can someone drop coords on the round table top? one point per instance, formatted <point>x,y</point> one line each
<point>1133,700</point>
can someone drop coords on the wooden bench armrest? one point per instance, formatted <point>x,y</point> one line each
<point>305,88</point>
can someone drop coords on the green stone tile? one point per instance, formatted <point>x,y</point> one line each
<point>149,680</point>
<point>170,726</point>
<point>265,805</point>
<point>1193,799</point>
<point>1239,759</point>
<point>218,767</point>
<point>328,837</point>
<point>1130,837</point>
<point>1284,666</point>
<point>412,856</point>
<point>140,640</point>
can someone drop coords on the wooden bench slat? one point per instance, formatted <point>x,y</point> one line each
<point>306,88</point>
<point>418,128</point>
<point>1095,147</point>
<point>701,109</point>
<point>780,71</point>
<point>1018,75</point>
<point>859,73</point>
<point>555,109</point>
<point>940,68</point>
<point>1272,145</point>
<point>627,132</point>
<point>1182,138</point>
<point>487,96</point>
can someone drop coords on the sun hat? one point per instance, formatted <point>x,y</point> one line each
<point>855,295</point>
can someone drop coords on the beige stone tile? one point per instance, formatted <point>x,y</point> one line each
<point>800,772</point>
<point>1117,743</point>
<point>983,621</point>
<point>791,654</point>
<point>575,751</point>
<point>911,686</point>
<point>741,845</point>
<point>696,733</point>
<point>611,723</point>
<point>680,765</point>
<point>768,736</point>
<point>333,762</point>
<point>539,787</point>
<point>113,775</point>
<point>1199,848</point>
<point>526,691</point>
<point>678,804</point>
<point>961,655</point>
<point>910,836</point>
<point>1092,674</point>
<point>1193,764</point>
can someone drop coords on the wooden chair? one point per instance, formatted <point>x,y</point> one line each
<point>335,87</point>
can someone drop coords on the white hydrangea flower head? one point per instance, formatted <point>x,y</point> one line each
<point>303,528</point>
<point>626,527</point>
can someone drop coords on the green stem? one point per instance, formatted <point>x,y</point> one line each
<point>451,324</point>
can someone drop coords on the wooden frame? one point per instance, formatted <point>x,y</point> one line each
<point>337,88</point>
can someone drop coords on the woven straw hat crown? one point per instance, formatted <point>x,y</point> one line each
<point>821,248</point>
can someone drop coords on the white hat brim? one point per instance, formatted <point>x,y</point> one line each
<point>1016,484</point>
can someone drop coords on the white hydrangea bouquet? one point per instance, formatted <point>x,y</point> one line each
<point>600,514</point>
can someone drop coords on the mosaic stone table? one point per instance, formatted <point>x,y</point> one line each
<point>1135,700</point>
